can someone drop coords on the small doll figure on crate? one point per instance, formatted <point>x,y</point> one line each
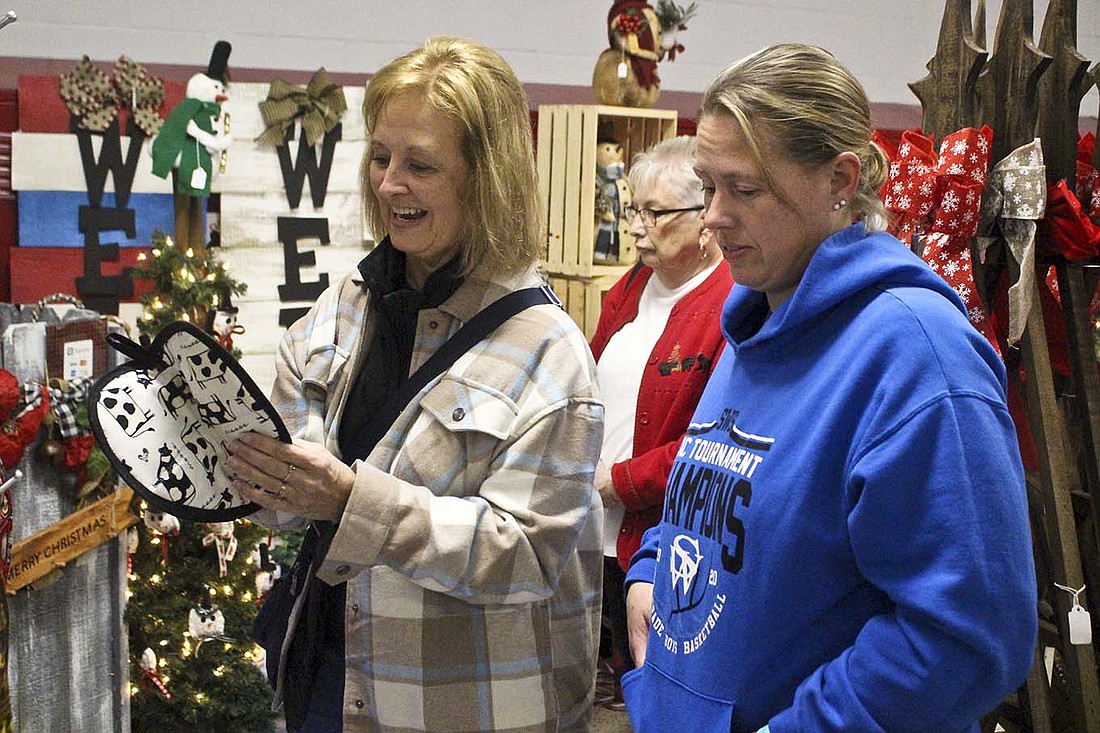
<point>612,194</point>
<point>194,135</point>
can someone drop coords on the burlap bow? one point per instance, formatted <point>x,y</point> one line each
<point>317,106</point>
<point>96,98</point>
<point>1014,201</point>
<point>937,197</point>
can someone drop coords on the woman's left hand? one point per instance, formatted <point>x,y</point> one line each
<point>605,486</point>
<point>300,478</point>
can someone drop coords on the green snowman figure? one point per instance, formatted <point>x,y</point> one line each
<point>187,144</point>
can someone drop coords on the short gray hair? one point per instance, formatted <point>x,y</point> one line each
<point>672,160</point>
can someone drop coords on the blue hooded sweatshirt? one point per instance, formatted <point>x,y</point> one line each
<point>845,542</point>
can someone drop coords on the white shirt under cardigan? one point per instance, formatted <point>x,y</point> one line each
<point>619,376</point>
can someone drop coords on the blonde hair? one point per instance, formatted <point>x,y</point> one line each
<point>806,103</point>
<point>474,86</point>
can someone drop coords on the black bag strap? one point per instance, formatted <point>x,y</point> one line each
<point>472,332</point>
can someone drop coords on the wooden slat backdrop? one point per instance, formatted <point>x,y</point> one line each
<point>253,200</point>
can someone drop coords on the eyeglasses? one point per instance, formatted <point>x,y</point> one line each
<point>650,216</point>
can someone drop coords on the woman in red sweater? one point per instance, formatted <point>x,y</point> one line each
<point>655,345</point>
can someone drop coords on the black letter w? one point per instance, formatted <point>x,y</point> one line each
<point>294,176</point>
<point>110,161</point>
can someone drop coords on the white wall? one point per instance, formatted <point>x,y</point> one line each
<point>885,42</point>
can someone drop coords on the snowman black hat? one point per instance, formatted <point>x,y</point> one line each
<point>218,68</point>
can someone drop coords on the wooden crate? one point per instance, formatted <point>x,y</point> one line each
<point>567,136</point>
<point>583,296</point>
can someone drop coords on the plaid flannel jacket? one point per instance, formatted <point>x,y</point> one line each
<point>471,542</point>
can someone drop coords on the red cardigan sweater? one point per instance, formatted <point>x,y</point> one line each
<point>672,383</point>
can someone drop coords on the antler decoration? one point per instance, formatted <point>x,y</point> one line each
<point>96,98</point>
<point>318,106</point>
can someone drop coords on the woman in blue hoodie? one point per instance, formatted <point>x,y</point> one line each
<point>845,542</point>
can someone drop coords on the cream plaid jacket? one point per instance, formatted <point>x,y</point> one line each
<point>471,542</point>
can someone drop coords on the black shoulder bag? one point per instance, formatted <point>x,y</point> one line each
<point>269,628</point>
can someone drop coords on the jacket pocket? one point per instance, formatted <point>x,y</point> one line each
<point>451,444</point>
<point>461,406</point>
<point>657,703</point>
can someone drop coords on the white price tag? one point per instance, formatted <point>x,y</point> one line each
<point>1080,626</point>
<point>198,178</point>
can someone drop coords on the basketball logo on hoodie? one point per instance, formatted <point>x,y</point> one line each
<point>685,563</point>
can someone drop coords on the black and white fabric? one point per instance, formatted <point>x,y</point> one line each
<point>65,398</point>
<point>30,399</point>
<point>164,419</point>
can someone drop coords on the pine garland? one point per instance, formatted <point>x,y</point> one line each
<point>673,16</point>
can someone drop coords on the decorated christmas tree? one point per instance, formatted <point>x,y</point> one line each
<point>188,285</point>
<point>192,596</point>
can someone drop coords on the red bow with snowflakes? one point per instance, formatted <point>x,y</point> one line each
<point>935,198</point>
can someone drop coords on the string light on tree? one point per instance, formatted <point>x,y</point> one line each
<point>187,285</point>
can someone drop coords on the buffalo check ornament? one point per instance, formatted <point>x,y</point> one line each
<point>164,418</point>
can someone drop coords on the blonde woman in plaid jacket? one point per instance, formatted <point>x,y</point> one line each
<point>469,538</point>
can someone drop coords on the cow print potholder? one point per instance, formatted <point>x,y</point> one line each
<point>164,418</point>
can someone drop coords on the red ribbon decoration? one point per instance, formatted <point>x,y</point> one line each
<point>1088,177</point>
<point>147,676</point>
<point>937,197</point>
<point>1066,229</point>
<point>20,420</point>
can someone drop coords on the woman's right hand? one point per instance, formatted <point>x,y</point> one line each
<point>639,607</point>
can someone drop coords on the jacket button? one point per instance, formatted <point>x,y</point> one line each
<point>433,325</point>
<point>458,414</point>
<point>643,418</point>
<point>355,608</point>
<point>359,704</point>
<point>343,570</point>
